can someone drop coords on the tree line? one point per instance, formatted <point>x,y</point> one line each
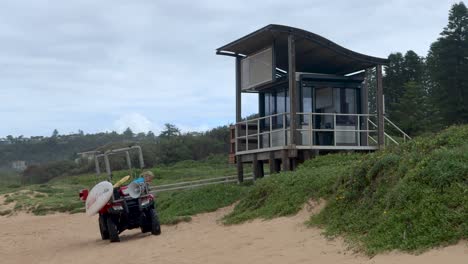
<point>170,146</point>
<point>425,94</point>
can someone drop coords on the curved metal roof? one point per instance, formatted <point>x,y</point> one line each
<point>313,52</point>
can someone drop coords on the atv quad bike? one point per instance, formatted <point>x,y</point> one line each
<point>124,212</point>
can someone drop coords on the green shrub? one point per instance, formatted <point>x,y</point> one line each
<point>410,197</point>
<point>34,174</point>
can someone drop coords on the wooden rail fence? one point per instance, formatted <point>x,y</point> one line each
<point>194,184</point>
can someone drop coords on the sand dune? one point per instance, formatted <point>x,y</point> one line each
<point>63,238</point>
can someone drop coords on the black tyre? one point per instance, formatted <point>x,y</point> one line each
<point>155,225</point>
<point>146,224</point>
<point>103,227</point>
<point>113,230</point>
<point>150,222</point>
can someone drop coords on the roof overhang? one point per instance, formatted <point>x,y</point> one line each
<point>313,52</point>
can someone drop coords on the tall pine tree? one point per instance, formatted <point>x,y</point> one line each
<point>411,112</point>
<point>448,68</point>
<point>393,80</point>
<point>370,81</point>
<point>404,90</point>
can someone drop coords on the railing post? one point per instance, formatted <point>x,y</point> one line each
<point>246,135</point>
<point>258,133</point>
<point>271,132</point>
<point>310,130</point>
<point>237,137</point>
<point>359,130</point>
<point>334,129</point>
<point>285,130</point>
<point>367,128</point>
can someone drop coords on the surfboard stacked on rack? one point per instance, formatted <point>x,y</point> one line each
<point>97,198</point>
<point>102,192</point>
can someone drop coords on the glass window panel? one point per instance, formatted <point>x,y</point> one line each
<point>306,99</point>
<point>267,104</point>
<point>287,108</point>
<point>336,100</point>
<point>350,100</point>
<point>280,107</point>
<point>267,109</point>
<point>323,97</point>
<point>272,104</point>
<point>347,106</point>
<point>280,102</point>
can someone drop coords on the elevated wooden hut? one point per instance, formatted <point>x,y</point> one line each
<point>312,99</point>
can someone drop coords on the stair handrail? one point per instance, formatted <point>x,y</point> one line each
<point>399,129</point>
<point>385,133</point>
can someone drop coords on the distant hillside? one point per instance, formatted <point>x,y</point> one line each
<point>168,147</point>
<point>61,147</point>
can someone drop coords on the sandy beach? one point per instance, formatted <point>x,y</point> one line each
<point>64,238</point>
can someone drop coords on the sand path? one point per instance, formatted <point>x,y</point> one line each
<point>63,238</point>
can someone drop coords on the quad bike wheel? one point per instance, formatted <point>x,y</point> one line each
<point>155,225</point>
<point>103,227</point>
<point>151,223</point>
<point>113,231</point>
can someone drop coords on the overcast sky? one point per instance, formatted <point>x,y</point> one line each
<point>107,65</point>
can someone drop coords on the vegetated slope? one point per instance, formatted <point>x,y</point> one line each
<point>408,197</point>
<point>61,193</point>
<point>179,206</point>
<point>285,193</point>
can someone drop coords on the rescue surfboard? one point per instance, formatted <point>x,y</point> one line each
<point>99,195</point>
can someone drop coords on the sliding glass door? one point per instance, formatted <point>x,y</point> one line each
<point>330,102</point>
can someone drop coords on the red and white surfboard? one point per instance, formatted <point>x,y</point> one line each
<point>98,197</point>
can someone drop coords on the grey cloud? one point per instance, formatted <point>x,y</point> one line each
<point>86,64</point>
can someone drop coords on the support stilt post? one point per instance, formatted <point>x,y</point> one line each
<point>285,161</point>
<point>96,163</point>
<point>271,163</point>
<point>261,172</point>
<point>292,88</point>
<point>240,169</point>
<point>255,167</point>
<point>108,168</point>
<point>129,161</point>
<point>380,108</point>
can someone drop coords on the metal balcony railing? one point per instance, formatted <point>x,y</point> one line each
<point>332,131</point>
